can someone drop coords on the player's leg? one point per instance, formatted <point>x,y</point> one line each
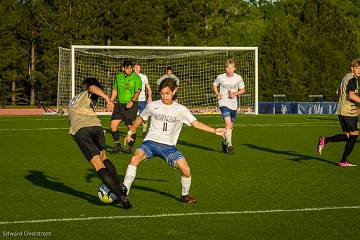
<point>184,168</point>
<point>323,141</point>
<point>130,116</point>
<point>108,164</point>
<point>91,142</point>
<point>130,174</point>
<point>227,114</point>
<point>177,160</point>
<point>114,124</point>
<point>110,181</point>
<point>351,126</point>
<point>229,124</point>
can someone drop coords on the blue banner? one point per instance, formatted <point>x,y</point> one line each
<point>297,107</point>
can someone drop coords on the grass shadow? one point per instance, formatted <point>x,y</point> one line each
<point>92,174</point>
<point>297,156</point>
<point>184,143</point>
<point>38,178</point>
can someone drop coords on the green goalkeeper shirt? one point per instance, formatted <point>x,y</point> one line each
<point>126,86</point>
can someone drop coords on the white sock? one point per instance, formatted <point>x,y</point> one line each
<point>228,136</point>
<point>144,127</point>
<point>185,184</point>
<point>130,176</point>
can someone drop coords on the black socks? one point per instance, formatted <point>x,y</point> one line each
<point>111,182</point>
<point>336,138</point>
<point>116,136</point>
<point>349,147</point>
<point>111,168</point>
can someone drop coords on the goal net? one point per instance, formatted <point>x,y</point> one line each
<point>196,67</point>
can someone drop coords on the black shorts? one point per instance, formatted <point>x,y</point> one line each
<point>348,124</point>
<point>91,141</point>
<point>127,115</point>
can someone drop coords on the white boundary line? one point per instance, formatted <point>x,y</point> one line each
<point>31,129</point>
<point>51,220</point>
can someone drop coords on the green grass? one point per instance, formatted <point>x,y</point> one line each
<point>43,175</point>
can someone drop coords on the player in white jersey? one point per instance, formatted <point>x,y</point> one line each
<point>167,118</point>
<point>227,87</point>
<point>142,100</point>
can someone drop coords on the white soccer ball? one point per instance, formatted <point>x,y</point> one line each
<point>105,194</point>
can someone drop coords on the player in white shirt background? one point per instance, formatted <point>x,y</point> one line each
<point>167,118</point>
<point>227,87</point>
<point>143,98</point>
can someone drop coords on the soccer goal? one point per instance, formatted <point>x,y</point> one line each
<point>196,67</point>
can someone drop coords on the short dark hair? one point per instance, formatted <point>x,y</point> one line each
<point>88,81</point>
<point>127,62</point>
<point>169,68</point>
<point>167,82</point>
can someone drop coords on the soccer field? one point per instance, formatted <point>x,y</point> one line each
<point>274,187</point>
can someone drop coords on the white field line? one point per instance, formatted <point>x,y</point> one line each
<point>214,125</point>
<point>31,129</point>
<point>169,215</point>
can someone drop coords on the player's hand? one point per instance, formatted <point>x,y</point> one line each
<point>110,107</point>
<point>232,95</point>
<point>129,104</point>
<point>220,132</point>
<point>218,96</point>
<point>149,100</point>
<point>128,139</point>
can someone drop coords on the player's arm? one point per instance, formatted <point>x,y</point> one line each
<point>351,87</point>
<point>235,94</point>
<point>216,92</point>
<point>206,128</point>
<point>354,97</point>
<point>113,94</point>
<point>133,128</point>
<point>97,91</point>
<point>149,92</point>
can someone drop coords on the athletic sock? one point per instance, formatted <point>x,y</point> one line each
<point>185,185</point>
<point>116,137</point>
<point>337,138</point>
<point>228,136</point>
<point>349,147</point>
<point>129,176</point>
<point>111,182</point>
<point>144,127</point>
<point>110,166</point>
<point>131,144</point>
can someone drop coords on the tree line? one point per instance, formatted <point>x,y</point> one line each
<point>305,46</point>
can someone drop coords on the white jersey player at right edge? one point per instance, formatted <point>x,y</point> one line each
<point>227,87</point>
<point>167,118</point>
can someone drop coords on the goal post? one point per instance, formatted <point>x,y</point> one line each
<point>196,67</point>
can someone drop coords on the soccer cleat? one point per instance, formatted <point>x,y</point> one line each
<point>125,202</point>
<point>230,150</point>
<point>224,147</point>
<point>187,199</point>
<point>127,150</point>
<point>117,148</point>
<point>321,145</point>
<point>124,199</point>
<point>346,164</point>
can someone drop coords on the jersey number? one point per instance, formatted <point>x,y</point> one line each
<point>165,126</point>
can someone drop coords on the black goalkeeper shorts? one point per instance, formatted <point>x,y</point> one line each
<point>127,115</point>
<point>91,141</point>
